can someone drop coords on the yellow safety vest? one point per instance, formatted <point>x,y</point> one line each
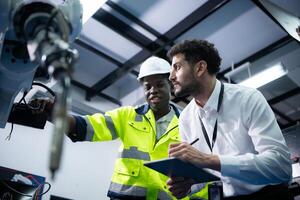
<point>136,129</point>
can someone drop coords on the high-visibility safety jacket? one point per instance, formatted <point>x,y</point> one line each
<point>135,127</point>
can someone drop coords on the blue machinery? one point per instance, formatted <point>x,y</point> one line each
<point>37,34</point>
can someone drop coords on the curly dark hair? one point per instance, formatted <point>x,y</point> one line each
<point>196,50</point>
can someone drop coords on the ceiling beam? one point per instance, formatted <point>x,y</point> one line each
<point>284,96</point>
<point>101,54</point>
<point>280,98</point>
<point>280,114</point>
<point>97,52</point>
<point>124,29</point>
<point>136,20</point>
<point>87,90</point>
<point>263,52</point>
<point>117,73</point>
<point>280,124</point>
<point>194,18</point>
<point>131,34</point>
<point>290,124</point>
<point>271,15</point>
<point>289,120</point>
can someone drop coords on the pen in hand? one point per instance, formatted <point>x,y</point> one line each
<point>194,141</point>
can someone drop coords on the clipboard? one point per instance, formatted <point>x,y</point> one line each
<point>178,168</point>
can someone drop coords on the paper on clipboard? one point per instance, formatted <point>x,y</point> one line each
<point>177,168</point>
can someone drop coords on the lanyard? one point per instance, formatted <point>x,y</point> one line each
<point>211,145</point>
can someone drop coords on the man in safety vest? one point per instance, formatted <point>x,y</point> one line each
<point>145,132</point>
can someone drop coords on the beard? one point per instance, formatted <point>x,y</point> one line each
<point>182,92</point>
<point>186,89</point>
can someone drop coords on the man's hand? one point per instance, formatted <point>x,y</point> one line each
<point>188,153</point>
<point>42,105</point>
<point>46,106</point>
<point>180,186</point>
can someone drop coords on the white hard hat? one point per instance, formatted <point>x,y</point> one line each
<point>154,65</point>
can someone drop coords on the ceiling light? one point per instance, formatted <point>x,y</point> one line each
<point>90,7</point>
<point>265,76</point>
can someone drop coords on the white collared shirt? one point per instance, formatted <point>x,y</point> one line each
<point>250,145</point>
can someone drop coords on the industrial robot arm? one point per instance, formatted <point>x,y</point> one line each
<point>34,33</point>
<point>37,33</point>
